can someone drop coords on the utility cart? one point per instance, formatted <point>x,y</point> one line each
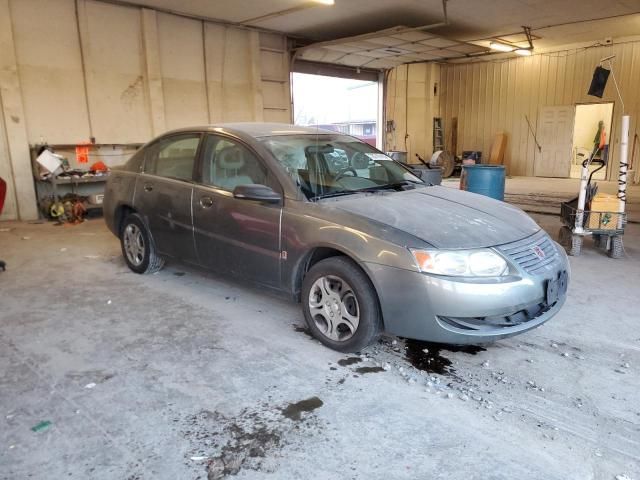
<point>606,229</point>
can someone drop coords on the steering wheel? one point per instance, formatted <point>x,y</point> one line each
<point>341,173</point>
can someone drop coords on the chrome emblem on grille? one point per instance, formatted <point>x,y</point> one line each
<point>539,252</point>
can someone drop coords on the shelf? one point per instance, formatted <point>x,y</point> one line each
<point>70,180</point>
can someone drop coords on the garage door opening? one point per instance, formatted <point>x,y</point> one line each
<point>340,104</point>
<point>589,120</point>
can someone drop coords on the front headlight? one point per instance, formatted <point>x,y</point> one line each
<point>461,263</point>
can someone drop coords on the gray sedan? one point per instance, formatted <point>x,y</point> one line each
<point>335,224</point>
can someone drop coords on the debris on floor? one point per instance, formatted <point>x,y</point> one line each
<point>39,427</point>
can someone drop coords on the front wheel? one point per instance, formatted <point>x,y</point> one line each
<point>137,245</point>
<point>340,305</point>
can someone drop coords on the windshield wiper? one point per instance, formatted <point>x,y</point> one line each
<point>389,186</point>
<point>339,193</point>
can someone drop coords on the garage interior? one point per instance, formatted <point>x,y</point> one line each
<point>188,374</point>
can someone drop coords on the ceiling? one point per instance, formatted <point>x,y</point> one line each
<point>388,48</point>
<point>554,23</point>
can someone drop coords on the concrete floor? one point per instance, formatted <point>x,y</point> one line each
<point>185,375</point>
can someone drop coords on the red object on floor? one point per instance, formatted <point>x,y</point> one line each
<point>3,193</point>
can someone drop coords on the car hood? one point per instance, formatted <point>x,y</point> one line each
<point>443,217</point>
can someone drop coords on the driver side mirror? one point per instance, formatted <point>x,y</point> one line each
<point>260,193</point>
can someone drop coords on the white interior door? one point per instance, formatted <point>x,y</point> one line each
<point>555,135</point>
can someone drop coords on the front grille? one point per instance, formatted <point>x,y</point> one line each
<point>523,252</point>
<point>497,322</point>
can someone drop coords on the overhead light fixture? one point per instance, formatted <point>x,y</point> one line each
<point>501,47</point>
<point>325,2</point>
<point>525,52</point>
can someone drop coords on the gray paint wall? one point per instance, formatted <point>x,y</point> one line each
<point>73,69</point>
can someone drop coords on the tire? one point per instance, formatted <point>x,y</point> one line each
<point>138,249</point>
<point>603,242</point>
<point>616,248</point>
<point>337,286</point>
<point>575,246</point>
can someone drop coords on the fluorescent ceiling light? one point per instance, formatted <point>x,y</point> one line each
<point>325,2</point>
<point>525,52</point>
<point>502,47</point>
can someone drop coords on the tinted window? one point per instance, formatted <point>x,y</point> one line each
<point>227,164</point>
<point>173,157</point>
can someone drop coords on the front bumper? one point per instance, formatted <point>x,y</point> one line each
<point>458,311</point>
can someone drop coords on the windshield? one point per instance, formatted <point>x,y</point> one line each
<point>332,165</point>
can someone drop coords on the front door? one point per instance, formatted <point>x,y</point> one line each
<point>164,194</point>
<point>555,135</point>
<point>241,237</point>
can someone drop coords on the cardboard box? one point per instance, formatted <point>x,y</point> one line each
<point>604,216</point>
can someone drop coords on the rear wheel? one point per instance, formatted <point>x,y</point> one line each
<point>616,248</point>
<point>340,305</point>
<point>138,249</point>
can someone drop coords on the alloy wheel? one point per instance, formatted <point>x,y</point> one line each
<point>334,308</point>
<point>134,245</point>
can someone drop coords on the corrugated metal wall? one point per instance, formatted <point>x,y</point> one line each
<point>495,96</point>
<point>411,101</point>
<point>73,69</point>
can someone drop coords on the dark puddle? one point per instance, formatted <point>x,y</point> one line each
<point>179,274</point>
<point>363,370</point>
<point>431,360</point>
<point>345,362</point>
<point>294,411</point>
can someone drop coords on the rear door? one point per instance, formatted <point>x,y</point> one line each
<point>241,237</point>
<point>164,191</point>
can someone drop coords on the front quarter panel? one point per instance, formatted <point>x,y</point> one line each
<point>305,228</point>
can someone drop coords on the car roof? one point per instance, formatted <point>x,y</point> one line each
<point>259,129</point>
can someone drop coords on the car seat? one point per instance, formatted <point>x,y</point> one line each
<point>228,163</point>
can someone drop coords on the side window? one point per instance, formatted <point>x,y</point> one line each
<point>173,157</point>
<point>227,164</point>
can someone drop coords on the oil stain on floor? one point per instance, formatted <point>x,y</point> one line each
<point>345,362</point>
<point>363,370</point>
<point>294,411</point>
<point>427,356</point>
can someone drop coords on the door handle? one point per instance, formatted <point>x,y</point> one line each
<point>148,187</point>
<point>206,202</point>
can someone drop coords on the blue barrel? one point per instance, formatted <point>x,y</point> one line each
<point>483,179</point>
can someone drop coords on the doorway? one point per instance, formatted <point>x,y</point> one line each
<point>555,127</point>
<point>343,105</point>
<point>586,134</point>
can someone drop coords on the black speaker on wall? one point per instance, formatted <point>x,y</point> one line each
<point>599,81</point>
